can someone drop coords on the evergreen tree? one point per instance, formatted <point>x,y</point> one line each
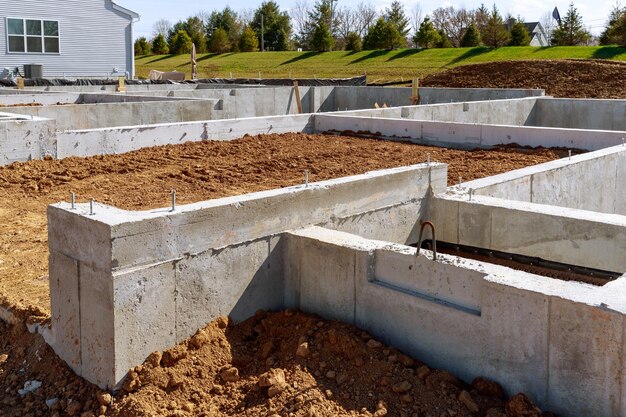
<point>181,43</point>
<point>396,15</point>
<point>519,35</point>
<point>427,36</point>
<point>383,35</point>
<point>219,42</point>
<point>248,41</point>
<point>228,20</point>
<point>353,42</point>
<point>471,37</point>
<point>322,39</point>
<point>159,45</point>
<point>495,35</point>
<point>276,26</point>
<point>615,27</point>
<point>142,47</point>
<point>444,40</point>
<point>571,31</point>
<point>481,16</point>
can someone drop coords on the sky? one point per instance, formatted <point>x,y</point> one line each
<point>593,12</point>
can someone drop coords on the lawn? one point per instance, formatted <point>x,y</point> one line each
<point>378,65</point>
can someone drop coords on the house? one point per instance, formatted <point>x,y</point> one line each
<point>538,36</point>
<point>69,38</point>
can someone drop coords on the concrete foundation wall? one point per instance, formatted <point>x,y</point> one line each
<point>569,236</point>
<point>110,270</point>
<point>115,113</point>
<point>120,140</point>
<point>23,140</point>
<point>592,181</point>
<point>430,95</point>
<point>582,114</point>
<point>466,135</point>
<point>560,342</point>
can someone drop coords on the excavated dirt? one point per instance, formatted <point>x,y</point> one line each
<point>560,78</point>
<point>198,171</point>
<point>273,365</point>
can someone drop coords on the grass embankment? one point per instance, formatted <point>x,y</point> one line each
<point>379,65</point>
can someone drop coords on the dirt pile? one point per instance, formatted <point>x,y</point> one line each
<point>274,364</point>
<point>198,171</point>
<point>560,78</point>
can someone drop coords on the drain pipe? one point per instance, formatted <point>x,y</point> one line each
<point>419,242</point>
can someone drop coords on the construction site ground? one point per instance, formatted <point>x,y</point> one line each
<point>562,78</point>
<point>193,383</point>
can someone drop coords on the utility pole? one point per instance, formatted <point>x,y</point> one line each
<point>262,34</point>
<point>332,16</point>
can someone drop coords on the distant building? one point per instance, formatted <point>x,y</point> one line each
<point>538,36</point>
<point>69,38</point>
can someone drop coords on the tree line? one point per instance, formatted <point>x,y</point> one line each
<point>324,27</point>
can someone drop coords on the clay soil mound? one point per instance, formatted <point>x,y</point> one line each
<point>285,364</point>
<point>559,78</point>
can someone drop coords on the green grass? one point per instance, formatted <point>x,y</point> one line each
<point>379,65</point>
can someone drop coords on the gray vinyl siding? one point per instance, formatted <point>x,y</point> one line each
<point>94,38</point>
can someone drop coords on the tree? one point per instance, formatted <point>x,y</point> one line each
<point>248,41</point>
<point>427,36</point>
<point>142,47</point>
<point>219,42</point>
<point>396,15</point>
<point>614,30</point>
<point>453,22</point>
<point>161,27</point>
<point>445,41</point>
<point>416,19</point>
<point>353,42</point>
<point>519,35</point>
<point>570,31</point>
<point>322,40</point>
<point>276,27</point>
<point>481,16</point>
<point>548,24</point>
<point>495,34</point>
<point>365,17</point>
<point>383,35</point>
<point>159,45</point>
<point>229,21</point>
<point>471,37</point>
<point>181,43</point>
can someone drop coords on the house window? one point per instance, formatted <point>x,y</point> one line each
<point>33,36</point>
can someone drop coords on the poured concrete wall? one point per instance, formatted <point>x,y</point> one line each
<point>465,135</point>
<point>582,114</point>
<point>23,140</point>
<point>592,181</point>
<point>115,113</point>
<point>430,95</point>
<point>560,342</point>
<point>124,284</point>
<point>569,236</point>
<point>114,140</point>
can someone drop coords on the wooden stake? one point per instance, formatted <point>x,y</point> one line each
<point>20,83</point>
<point>298,102</point>
<point>415,98</point>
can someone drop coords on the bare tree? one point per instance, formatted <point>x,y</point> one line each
<point>365,15</point>
<point>246,16</point>
<point>161,27</point>
<point>346,22</point>
<point>452,22</point>
<point>549,24</point>
<point>416,17</point>
<point>299,15</point>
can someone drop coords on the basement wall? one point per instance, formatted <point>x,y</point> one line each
<point>465,135</point>
<point>582,114</point>
<point>23,140</point>
<point>124,284</point>
<point>592,181</point>
<point>560,342</point>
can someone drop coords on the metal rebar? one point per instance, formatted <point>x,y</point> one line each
<point>73,201</point>
<point>419,241</point>
<point>306,178</point>
<point>173,200</point>
<point>428,158</point>
<point>470,194</point>
<point>91,212</point>
<point>569,152</point>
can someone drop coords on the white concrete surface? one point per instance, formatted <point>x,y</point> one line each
<point>560,342</point>
<point>206,259</point>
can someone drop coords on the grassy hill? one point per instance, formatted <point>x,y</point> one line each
<point>379,65</point>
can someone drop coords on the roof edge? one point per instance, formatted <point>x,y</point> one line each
<point>124,10</point>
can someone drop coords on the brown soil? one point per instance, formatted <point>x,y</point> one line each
<point>22,105</point>
<point>560,78</point>
<point>274,364</point>
<point>198,171</point>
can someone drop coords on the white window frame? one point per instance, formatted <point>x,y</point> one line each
<point>25,36</point>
